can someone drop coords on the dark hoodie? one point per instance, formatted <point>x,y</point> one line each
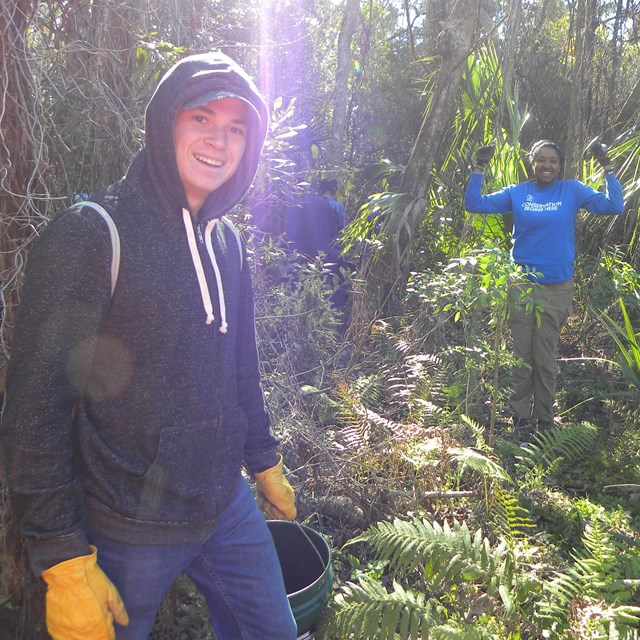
<point>133,413</point>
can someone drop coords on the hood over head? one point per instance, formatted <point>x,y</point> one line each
<point>192,82</point>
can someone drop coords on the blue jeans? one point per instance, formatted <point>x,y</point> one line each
<point>236,569</point>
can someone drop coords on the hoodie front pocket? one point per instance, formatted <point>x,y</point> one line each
<point>180,483</point>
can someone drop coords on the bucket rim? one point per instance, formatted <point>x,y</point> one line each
<point>328,570</point>
<point>328,567</point>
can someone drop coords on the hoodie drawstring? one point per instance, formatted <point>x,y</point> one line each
<point>197,263</point>
<point>216,270</point>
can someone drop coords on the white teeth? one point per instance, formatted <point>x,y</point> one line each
<point>213,163</point>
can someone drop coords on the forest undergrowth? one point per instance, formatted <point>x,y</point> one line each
<point>393,422</point>
<point>435,532</point>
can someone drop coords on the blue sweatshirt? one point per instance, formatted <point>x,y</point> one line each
<point>544,218</point>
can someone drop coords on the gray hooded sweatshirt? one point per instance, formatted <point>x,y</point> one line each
<point>133,413</point>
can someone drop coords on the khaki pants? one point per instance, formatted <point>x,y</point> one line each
<point>537,346</point>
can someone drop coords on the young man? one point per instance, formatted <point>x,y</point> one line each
<point>128,416</point>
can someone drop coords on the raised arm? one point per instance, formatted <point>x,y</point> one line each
<point>474,201</point>
<point>611,202</point>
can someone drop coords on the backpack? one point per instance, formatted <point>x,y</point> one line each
<point>115,238</point>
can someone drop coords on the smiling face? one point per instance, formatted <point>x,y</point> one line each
<point>546,166</point>
<point>209,143</point>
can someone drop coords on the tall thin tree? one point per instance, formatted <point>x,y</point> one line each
<point>386,270</point>
<point>348,27</point>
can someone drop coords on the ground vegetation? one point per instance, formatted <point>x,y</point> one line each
<point>392,410</point>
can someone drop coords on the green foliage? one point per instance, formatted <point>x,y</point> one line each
<point>556,447</point>
<point>507,517</point>
<point>479,290</point>
<point>283,174</point>
<point>443,553</point>
<point>610,276</point>
<point>480,463</point>
<point>602,579</point>
<point>451,569</point>
<point>501,505</point>
<point>488,112</point>
<point>458,581</point>
<point>368,610</point>
<point>296,323</point>
<point>626,339</point>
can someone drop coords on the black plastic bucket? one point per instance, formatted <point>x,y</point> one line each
<point>305,560</point>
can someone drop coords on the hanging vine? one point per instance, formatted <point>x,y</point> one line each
<point>24,204</point>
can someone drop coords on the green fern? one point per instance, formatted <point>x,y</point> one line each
<point>501,505</point>
<point>596,580</point>
<point>558,446</point>
<point>480,463</point>
<point>367,388</point>
<point>367,610</point>
<point>443,553</point>
<point>441,573</point>
<point>509,518</point>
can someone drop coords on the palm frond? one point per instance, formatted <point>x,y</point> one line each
<point>627,342</point>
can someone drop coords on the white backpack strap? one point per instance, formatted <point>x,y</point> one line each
<point>115,239</point>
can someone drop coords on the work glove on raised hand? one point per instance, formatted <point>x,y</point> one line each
<point>484,154</point>
<point>274,493</point>
<point>598,151</point>
<point>81,602</point>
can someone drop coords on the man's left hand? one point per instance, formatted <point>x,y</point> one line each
<point>275,495</point>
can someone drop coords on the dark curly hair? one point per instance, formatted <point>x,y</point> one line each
<point>328,184</point>
<point>541,144</point>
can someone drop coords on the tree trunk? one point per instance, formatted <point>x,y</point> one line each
<point>23,206</point>
<point>387,271</point>
<point>22,156</point>
<point>340,92</point>
<point>98,84</point>
<point>580,104</point>
<point>509,62</point>
<point>615,56</point>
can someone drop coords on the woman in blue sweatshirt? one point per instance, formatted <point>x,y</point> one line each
<point>544,219</point>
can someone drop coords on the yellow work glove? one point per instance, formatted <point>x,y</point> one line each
<point>275,495</point>
<point>82,602</point>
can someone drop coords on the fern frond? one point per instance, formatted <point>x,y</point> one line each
<point>367,610</point>
<point>596,575</point>
<point>510,518</point>
<point>558,445</point>
<point>480,463</point>
<point>603,564</point>
<point>366,389</point>
<point>443,553</point>
<point>478,432</point>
